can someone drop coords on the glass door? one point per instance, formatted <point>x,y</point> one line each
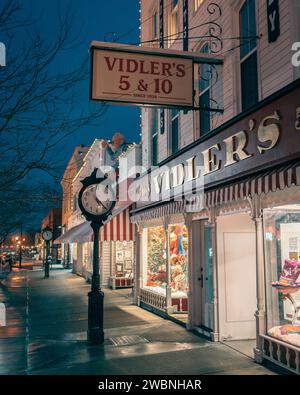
<point>206,276</point>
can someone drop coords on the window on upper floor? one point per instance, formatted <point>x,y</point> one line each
<point>248,54</point>
<point>173,22</point>
<point>205,81</point>
<point>154,137</point>
<point>210,93</point>
<point>155,25</point>
<point>175,129</point>
<point>197,4</point>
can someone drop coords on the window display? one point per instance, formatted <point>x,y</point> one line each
<point>282,246</point>
<point>157,269</point>
<point>178,260</point>
<point>124,259</point>
<point>87,253</point>
<point>156,263</point>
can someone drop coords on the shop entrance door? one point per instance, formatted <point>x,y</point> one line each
<point>206,277</point>
<point>237,276</point>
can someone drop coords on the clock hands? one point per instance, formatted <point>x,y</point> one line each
<point>99,202</point>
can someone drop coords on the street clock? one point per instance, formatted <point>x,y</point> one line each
<point>47,234</point>
<point>96,201</point>
<point>96,198</point>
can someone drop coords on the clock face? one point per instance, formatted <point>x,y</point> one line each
<point>97,199</point>
<point>47,235</point>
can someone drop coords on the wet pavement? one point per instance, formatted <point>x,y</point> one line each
<point>46,334</point>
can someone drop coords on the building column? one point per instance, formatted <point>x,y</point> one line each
<point>169,307</point>
<point>213,223</point>
<point>260,314</point>
<point>138,263</point>
<point>192,304</point>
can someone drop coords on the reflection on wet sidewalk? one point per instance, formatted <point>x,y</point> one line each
<point>46,334</point>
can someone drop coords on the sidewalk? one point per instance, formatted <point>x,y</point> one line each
<point>46,332</point>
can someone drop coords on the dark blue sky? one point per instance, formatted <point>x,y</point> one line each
<point>92,19</point>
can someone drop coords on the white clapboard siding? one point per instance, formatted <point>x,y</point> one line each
<point>275,69</point>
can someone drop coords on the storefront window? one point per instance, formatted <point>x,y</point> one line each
<point>282,249</point>
<point>74,253</point>
<point>179,260</point>
<point>124,257</point>
<point>87,252</point>
<point>156,264</point>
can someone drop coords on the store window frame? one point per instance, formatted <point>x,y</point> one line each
<point>281,246</point>
<point>173,22</point>
<point>205,93</point>
<point>155,278</point>
<point>248,56</point>
<point>155,25</point>
<point>174,131</point>
<point>154,136</point>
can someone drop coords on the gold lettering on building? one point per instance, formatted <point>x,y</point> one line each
<point>210,161</point>
<point>191,174</point>
<point>270,132</point>
<point>177,175</point>
<point>235,148</point>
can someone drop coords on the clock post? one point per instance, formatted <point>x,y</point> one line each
<point>47,236</point>
<point>95,332</point>
<point>96,210</point>
<point>47,259</point>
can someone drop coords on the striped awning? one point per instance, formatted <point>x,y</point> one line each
<point>81,233</point>
<point>262,183</point>
<point>118,228</point>
<point>268,181</point>
<point>165,210</point>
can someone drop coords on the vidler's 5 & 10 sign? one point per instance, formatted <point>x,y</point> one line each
<point>137,75</point>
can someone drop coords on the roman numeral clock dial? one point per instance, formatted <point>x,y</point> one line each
<point>96,199</point>
<point>92,204</point>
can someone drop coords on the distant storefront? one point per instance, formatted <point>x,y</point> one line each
<point>116,249</point>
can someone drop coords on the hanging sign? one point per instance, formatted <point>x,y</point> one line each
<point>273,20</point>
<point>136,75</point>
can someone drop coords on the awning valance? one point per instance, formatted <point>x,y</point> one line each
<point>176,207</point>
<point>262,183</point>
<point>81,233</point>
<point>118,228</point>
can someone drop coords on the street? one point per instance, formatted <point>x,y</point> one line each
<point>46,332</point>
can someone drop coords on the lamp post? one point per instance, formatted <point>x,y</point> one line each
<point>96,200</point>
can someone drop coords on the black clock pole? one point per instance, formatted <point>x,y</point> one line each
<point>95,334</point>
<point>96,212</point>
<point>47,259</point>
